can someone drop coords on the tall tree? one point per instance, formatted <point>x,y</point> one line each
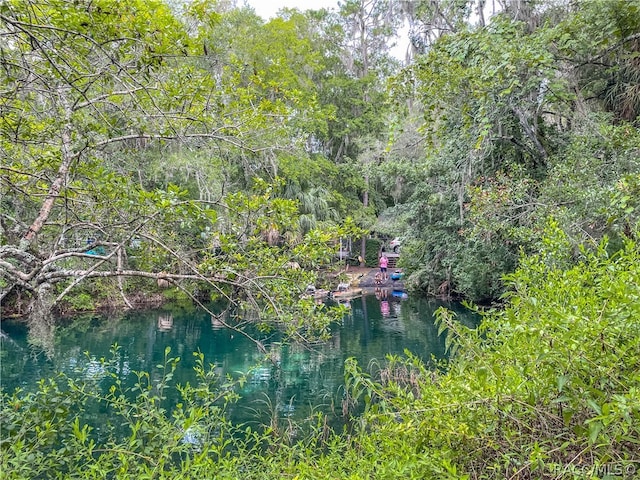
<point>86,87</point>
<point>368,28</point>
<point>503,107</point>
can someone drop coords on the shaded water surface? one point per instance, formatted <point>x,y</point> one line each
<point>298,381</point>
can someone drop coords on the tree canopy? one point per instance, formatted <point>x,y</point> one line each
<point>197,149</point>
<point>131,129</point>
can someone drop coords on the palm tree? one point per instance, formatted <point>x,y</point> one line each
<point>314,204</point>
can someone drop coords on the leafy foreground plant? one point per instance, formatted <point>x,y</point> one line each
<point>548,387</point>
<point>100,428</point>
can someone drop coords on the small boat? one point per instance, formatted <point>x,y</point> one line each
<point>397,275</point>
<point>313,292</point>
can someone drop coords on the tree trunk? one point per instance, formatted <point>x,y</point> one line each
<point>365,204</point>
<point>58,183</point>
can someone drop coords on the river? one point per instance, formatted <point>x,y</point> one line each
<point>297,381</point>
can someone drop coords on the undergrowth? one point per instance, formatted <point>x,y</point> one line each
<point>547,387</point>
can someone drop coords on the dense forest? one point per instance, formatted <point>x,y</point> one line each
<point>195,145</point>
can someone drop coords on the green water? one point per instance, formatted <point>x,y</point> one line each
<point>301,379</point>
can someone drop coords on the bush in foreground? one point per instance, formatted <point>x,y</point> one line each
<point>546,387</point>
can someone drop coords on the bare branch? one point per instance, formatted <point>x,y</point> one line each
<point>12,272</point>
<point>220,321</point>
<point>105,96</point>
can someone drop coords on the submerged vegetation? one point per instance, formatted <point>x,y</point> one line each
<point>192,150</point>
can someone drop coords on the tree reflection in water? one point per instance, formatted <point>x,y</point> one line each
<point>296,379</point>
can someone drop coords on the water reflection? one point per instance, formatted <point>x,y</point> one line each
<point>217,321</point>
<point>288,380</point>
<point>382,294</point>
<point>165,322</point>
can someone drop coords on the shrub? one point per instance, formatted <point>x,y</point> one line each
<point>81,302</point>
<point>373,250</point>
<point>547,387</point>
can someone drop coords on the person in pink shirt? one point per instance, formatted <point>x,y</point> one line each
<point>384,261</point>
